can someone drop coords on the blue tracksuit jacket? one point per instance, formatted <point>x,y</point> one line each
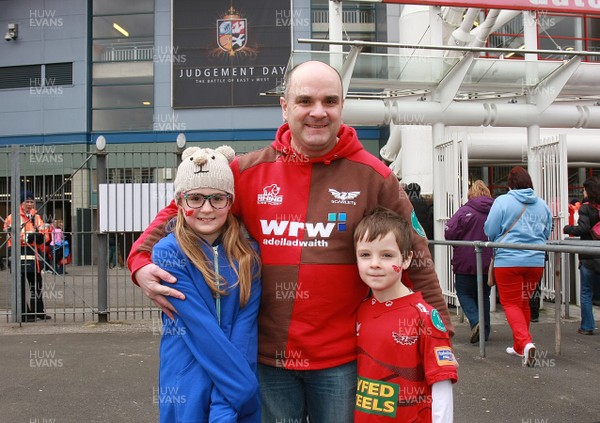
<point>208,354</point>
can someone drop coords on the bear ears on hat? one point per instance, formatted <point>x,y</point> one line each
<point>225,150</point>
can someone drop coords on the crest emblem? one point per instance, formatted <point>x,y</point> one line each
<point>343,195</point>
<point>404,339</point>
<point>232,32</point>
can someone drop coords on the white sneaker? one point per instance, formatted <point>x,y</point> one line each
<point>511,351</point>
<point>529,355</point>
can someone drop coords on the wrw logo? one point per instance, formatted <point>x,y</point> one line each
<point>313,230</point>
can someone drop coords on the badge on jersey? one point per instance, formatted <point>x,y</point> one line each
<point>416,224</point>
<point>437,321</point>
<point>444,356</point>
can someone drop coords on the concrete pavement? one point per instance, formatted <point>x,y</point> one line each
<point>108,373</point>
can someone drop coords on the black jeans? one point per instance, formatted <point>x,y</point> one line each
<point>534,302</point>
<point>36,301</point>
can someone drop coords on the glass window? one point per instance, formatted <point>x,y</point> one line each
<point>123,50</point>
<point>123,26</point>
<point>122,120</point>
<point>123,73</point>
<point>558,32</point>
<point>123,65</point>
<point>122,96</point>
<point>592,26</point>
<point>110,7</point>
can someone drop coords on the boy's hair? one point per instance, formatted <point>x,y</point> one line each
<point>379,223</point>
<point>237,247</point>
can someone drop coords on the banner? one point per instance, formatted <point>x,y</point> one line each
<point>226,53</point>
<point>555,6</point>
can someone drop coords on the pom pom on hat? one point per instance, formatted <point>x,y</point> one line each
<point>205,168</point>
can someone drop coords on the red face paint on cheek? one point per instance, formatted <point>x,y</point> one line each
<point>397,269</point>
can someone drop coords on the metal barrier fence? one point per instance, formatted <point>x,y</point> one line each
<point>101,213</point>
<point>556,248</point>
<point>103,200</point>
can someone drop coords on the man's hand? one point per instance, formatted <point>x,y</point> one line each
<point>148,278</point>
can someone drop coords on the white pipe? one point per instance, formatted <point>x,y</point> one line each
<point>453,16</point>
<point>390,150</point>
<point>413,27</point>
<point>484,30</point>
<point>504,17</point>
<point>462,35</point>
<point>416,157</point>
<point>377,112</point>
<point>335,32</point>
<point>501,145</point>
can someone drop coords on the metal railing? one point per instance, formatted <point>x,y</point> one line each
<point>65,182</point>
<point>348,16</point>
<point>134,51</point>
<point>557,248</point>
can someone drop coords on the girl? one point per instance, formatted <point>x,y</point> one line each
<point>208,351</point>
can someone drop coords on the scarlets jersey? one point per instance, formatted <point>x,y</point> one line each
<point>303,211</point>
<point>403,348</point>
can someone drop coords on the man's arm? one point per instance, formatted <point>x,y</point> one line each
<point>141,250</point>
<point>146,274</point>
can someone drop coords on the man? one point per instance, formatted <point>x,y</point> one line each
<point>33,238</point>
<point>423,210</point>
<point>301,198</point>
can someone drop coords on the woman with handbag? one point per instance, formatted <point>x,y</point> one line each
<point>589,266</point>
<point>519,216</point>
<point>467,225</point>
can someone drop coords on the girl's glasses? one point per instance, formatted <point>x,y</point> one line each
<point>217,201</point>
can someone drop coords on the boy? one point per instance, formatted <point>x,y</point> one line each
<point>406,366</point>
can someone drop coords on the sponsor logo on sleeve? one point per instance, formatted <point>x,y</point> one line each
<point>444,356</point>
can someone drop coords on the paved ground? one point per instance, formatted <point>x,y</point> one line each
<point>108,373</point>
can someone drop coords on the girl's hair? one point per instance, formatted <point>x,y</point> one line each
<point>592,188</point>
<point>379,223</point>
<point>518,178</point>
<point>237,248</point>
<point>478,189</point>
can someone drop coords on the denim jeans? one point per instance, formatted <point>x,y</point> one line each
<point>466,291</point>
<point>587,278</point>
<point>324,396</point>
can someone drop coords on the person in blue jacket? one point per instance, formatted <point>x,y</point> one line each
<point>208,352</point>
<point>519,216</point>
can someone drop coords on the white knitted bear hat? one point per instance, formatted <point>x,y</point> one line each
<point>205,168</point>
